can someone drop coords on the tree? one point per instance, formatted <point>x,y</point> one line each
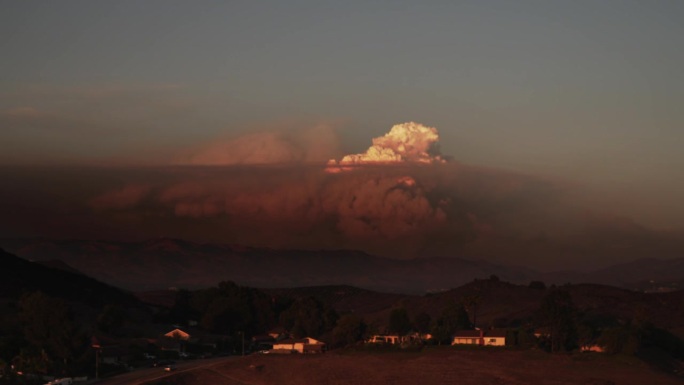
<point>111,318</point>
<point>399,322</point>
<point>454,317</point>
<point>308,317</point>
<point>49,326</point>
<point>558,313</point>
<point>349,329</point>
<point>472,301</point>
<point>422,322</point>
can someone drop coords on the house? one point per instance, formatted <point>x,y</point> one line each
<point>468,337</point>
<point>178,334</point>
<point>592,347</point>
<point>303,345</point>
<point>415,338</point>
<point>115,354</point>
<point>262,342</point>
<point>384,339</point>
<point>495,337</point>
<point>278,333</point>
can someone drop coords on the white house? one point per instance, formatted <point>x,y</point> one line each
<point>495,338</point>
<point>303,345</point>
<point>480,337</point>
<point>384,339</point>
<point>468,337</point>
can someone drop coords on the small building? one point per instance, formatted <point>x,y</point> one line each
<point>278,333</point>
<point>495,337</point>
<point>592,347</point>
<point>385,339</point>
<point>262,342</point>
<point>468,337</point>
<point>303,345</point>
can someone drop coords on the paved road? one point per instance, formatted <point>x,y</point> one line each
<point>148,374</point>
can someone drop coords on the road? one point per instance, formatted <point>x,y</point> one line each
<point>148,374</point>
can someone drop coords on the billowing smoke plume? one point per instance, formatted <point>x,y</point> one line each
<point>271,146</point>
<point>419,206</point>
<point>407,142</point>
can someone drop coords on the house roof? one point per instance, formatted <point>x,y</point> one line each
<point>177,333</point>
<point>278,329</point>
<point>305,340</point>
<point>263,338</point>
<point>496,333</point>
<point>467,334</point>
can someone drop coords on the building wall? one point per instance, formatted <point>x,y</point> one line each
<point>467,341</point>
<point>495,341</point>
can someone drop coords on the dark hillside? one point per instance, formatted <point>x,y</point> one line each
<point>18,276</point>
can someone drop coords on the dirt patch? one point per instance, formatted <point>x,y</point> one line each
<point>431,366</point>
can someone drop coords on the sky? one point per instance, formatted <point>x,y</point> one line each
<point>584,96</point>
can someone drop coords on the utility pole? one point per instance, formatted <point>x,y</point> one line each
<point>243,342</point>
<point>95,344</point>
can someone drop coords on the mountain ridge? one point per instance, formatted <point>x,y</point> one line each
<point>168,262</point>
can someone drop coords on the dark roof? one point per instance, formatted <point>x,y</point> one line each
<point>263,338</point>
<point>300,341</point>
<point>496,333</point>
<point>467,333</point>
<point>292,341</point>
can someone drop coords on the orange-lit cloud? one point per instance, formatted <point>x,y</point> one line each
<point>405,142</point>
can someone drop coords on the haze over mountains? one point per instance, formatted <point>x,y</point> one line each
<point>165,262</point>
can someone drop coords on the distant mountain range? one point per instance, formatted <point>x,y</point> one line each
<point>166,262</point>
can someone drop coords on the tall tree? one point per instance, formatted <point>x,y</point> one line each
<point>454,317</point>
<point>349,329</point>
<point>399,322</point>
<point>558,313</point>
<point>422,322</point>
<point>49,326</point>
<point>308,317</point>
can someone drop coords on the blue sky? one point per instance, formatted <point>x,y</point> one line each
<point>587,91</point>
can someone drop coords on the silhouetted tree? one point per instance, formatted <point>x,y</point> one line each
<point>349,329</point>
<point>308,317</point>
<point>422,322</point>
<point>111,318</point>
<point>182,309</point>
<point>558,313</point>
<point>453,318</point>
<point>472,303</point>
<point>49,326</point>
<point>399,322</point>
<point>229,308</point>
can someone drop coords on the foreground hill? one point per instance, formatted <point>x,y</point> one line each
<point>430,366</point>
<point>18,276</point>
<point>165,262</point>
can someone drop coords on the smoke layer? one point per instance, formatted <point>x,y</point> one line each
<point>414,204</point>
<point>283,145</point>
